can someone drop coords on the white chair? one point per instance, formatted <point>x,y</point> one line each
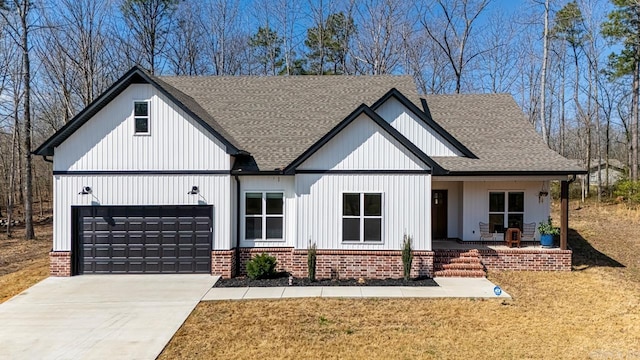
<point>529,232</point>
<point>485,234</point>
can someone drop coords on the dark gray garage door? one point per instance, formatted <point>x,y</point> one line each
<point>143,239</point>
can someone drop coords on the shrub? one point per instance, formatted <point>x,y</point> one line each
<point>407,256</point>
<point>547,228</point>
<point>311,262</point>
<point>629,190</point>
<point>262,266</point>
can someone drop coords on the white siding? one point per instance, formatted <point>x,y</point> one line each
<point>406,209</point>
<point>175,142</point>
<point>454,206</point>
<point>143,190</point>
<point>363,145</point>
<point>476,203</point>
<point>414,129</point>
<point>283,184</point>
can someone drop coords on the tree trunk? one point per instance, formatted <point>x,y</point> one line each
<point>634,119</point>
<point>26,68</point>
<point>543,74</point>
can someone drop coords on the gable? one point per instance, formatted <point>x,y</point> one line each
<point>106,141</point>
<point>416,130</point>
<point>363,145</point>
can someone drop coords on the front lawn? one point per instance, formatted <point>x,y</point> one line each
<point>591,312</point>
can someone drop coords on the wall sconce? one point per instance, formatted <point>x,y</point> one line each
<point>436,198</point>
<point>86,190</point>
<point>194,190</point>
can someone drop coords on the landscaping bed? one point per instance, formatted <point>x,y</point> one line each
<point>282,281</point>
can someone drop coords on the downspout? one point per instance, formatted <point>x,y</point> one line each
<point>237,253</point>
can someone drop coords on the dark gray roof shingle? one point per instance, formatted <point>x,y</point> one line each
<point>277,118</point>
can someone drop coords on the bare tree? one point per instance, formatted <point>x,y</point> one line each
<point>454,34</point>
<point>543,74</point>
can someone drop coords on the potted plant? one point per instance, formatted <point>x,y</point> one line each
<point>547,231</point>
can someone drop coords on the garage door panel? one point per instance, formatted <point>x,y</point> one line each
<point>145,239</point>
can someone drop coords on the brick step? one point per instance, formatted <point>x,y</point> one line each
<point>464,260</point>
<point>460,273</point>
<point>470,253</point>
<point>462,266</point>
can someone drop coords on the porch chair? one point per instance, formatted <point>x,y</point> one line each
<point>529,232</point>
<point>485,234</point>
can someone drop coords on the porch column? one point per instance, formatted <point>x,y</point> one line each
<point>564,214</point>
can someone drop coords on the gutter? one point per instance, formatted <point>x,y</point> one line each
<point>237,253</point>
<point>44,157</point>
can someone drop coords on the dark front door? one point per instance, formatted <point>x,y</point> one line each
<point>439,214</point>
<point>143,239</point>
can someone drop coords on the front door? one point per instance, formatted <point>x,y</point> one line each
<point>438,214</point>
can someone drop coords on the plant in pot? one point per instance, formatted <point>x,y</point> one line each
<point>547,231</point>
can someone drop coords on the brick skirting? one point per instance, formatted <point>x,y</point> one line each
<point>519,259</point>
<point>60,263</point>
<point>340,264</point>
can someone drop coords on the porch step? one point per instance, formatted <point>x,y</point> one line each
<point>460,273</point>
<point>458,263</point>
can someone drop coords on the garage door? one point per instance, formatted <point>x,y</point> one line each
<point>143,239</point>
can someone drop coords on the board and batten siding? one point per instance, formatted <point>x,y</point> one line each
<point>175,140</point>
<point>476,203</point>
<point>143,190</point>
<point>405,203</point>
<point>284,184</point>
<point>416,130</point>
<point>454,206</point>
<point>363,145</point>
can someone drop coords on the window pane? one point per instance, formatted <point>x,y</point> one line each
<point>351,204</point>
<point>496,202</point>
<point>372,204</point>
<point>496,223</point>
<point>274,228</point>
<point>372,230</point>
<point>274,203</point>
<point>141,109</point>
<point>253,228</point>
<point>142,125</point>
<point>515,221</point>
<point>253,204</point>
<point>516,202</point>
<point>351,229</point>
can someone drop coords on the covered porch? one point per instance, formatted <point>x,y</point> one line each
<point>461,206</point>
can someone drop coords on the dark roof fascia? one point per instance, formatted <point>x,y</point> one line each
<point>515,173</point>
<point>240,172</point>
<point>424,115</point>
<point>436,169</point>
<point>134,75</point>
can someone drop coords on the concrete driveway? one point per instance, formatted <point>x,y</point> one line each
<point>99,316</point>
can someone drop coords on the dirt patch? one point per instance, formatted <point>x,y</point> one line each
<point>283,281</point>
<point>24,262</point>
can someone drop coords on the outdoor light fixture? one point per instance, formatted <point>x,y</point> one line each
<point>86,190</point>
<point>194,190</point>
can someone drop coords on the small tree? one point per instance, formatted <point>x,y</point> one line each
<point>311,262</point>
<point>407,256</point>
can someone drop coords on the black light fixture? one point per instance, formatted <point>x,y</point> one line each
<point>194,190</point>
<point>86,190</point>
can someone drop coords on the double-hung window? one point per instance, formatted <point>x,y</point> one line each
<point>362,217</point>
<point>141,117</point>
<point>506,210</point>
<point>264,216</point>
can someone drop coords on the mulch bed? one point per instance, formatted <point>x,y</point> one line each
<point>282,281</point>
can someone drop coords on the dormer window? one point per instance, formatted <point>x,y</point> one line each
<point>141,117</point>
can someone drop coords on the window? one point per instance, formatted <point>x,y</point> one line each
<point>264,216</point>
<point>362,217</point>
<point>507,206</point>
<point>141,117</point>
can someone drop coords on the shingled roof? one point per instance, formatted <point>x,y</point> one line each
<point>495,129</point>
<point>277,118</point>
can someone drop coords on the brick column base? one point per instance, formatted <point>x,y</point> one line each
<point>223,263</point>
<point>60,263</point>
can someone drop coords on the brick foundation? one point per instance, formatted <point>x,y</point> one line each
<point>223,263</point>
<point>518,259</point>
<point>60,263</point>
<point>344,264</point>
